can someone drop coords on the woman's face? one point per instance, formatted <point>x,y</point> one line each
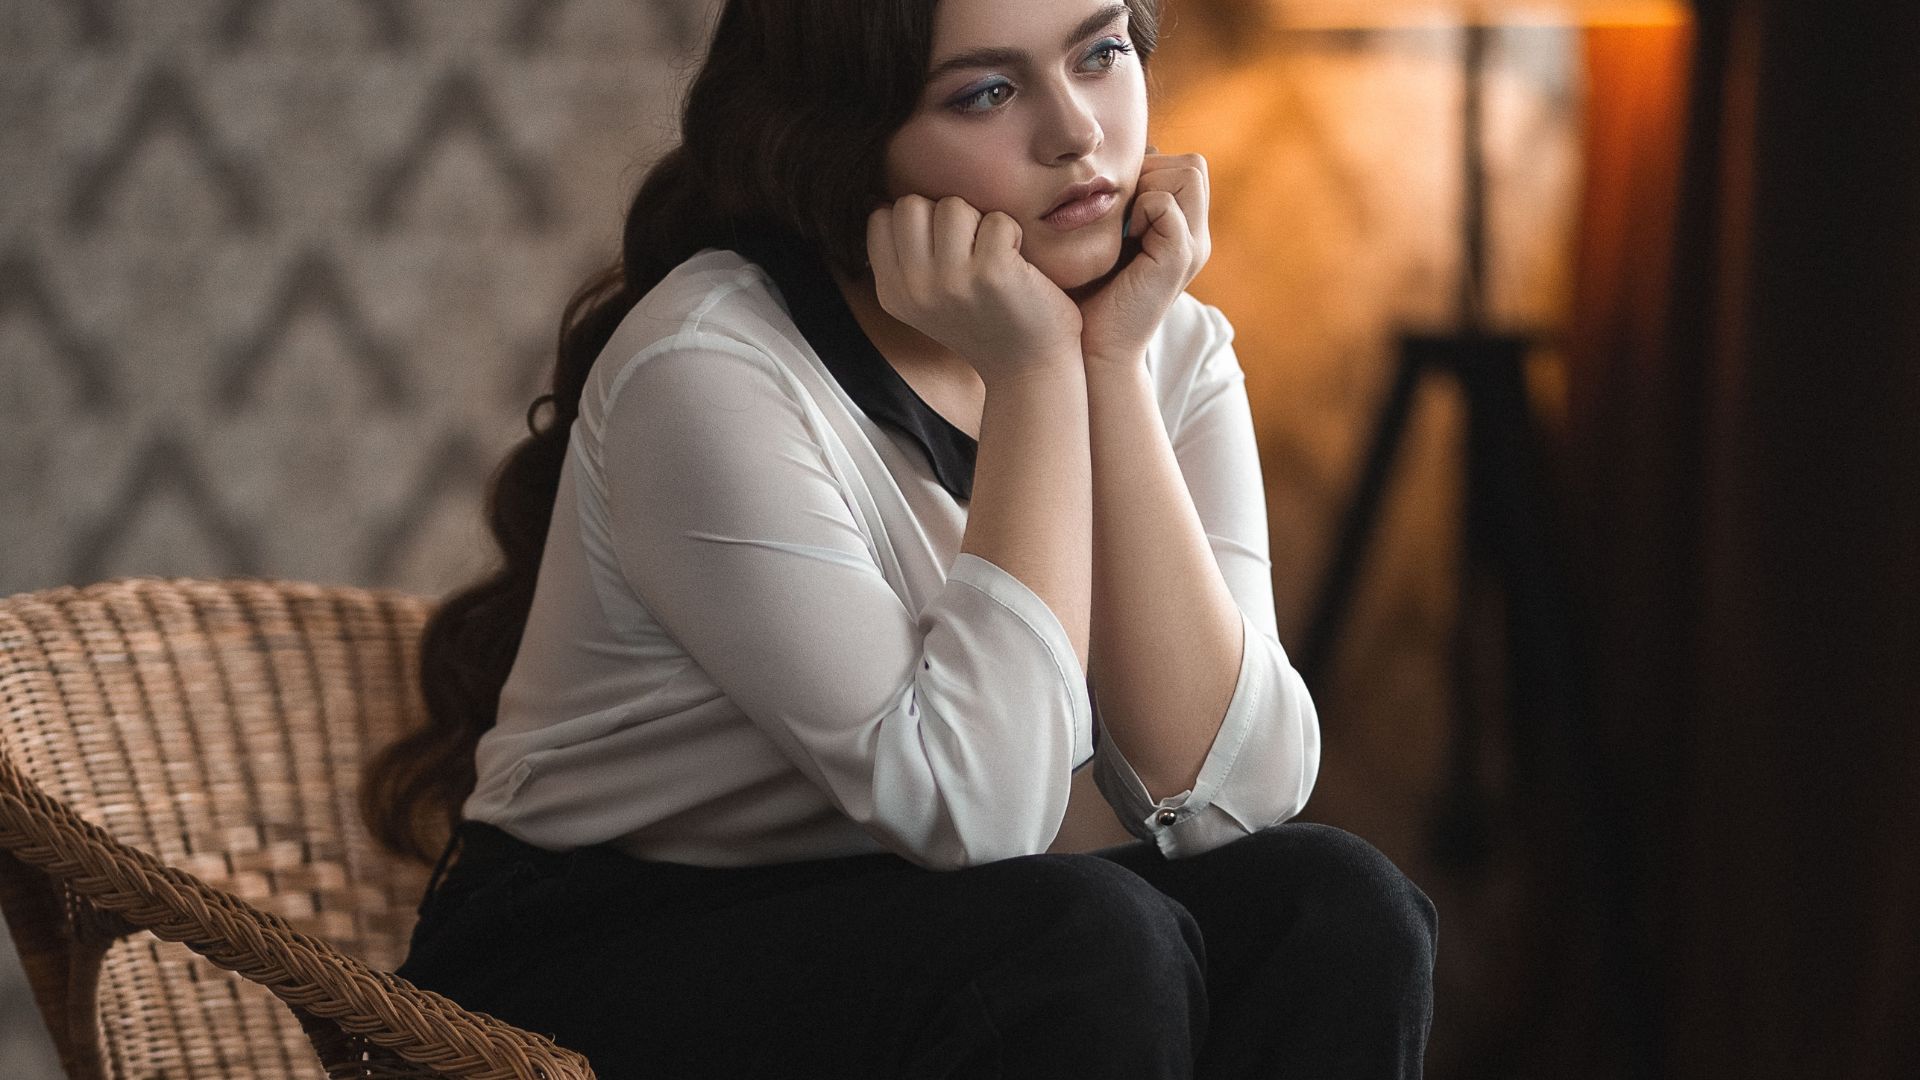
<point>1043,96</point>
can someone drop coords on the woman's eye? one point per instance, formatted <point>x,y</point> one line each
<point>1106,54</point>
<point>1110,51</point>
<point>965,103</point>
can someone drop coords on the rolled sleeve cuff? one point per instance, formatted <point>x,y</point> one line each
<point>1261,758</point>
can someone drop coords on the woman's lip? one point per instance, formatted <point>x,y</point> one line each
<point>1083,211</point>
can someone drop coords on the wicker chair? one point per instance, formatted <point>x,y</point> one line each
<point>182,757</point>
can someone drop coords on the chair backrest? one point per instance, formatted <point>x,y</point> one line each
<point>220,725</point>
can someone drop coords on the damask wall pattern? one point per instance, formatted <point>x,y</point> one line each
<point>273,271</point>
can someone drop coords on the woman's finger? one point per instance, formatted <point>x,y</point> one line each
<point>1163,227</point>
<point>913,238</point>
<point>1187,185</point>
<point>881,253</point>
<point>955,222</point>
<point>1191,194</point>
<point>1196,196</point>
<point>998,236</point>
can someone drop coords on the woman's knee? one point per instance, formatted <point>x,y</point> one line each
<point>1343,887</point>
<point>1102,909</point>
<point>1093,971</point>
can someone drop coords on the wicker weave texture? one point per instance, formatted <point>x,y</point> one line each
<point>220,727</point>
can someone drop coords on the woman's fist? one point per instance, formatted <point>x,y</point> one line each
<point>958,277</point>
<point>1167,221</point>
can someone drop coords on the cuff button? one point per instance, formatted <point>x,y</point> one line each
<point>1167,817</point>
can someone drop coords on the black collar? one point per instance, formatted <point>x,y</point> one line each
<point>823,317</point>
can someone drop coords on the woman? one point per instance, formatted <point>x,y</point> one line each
<point>761,743</point>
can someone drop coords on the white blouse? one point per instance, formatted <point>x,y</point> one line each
<point>754,638</point>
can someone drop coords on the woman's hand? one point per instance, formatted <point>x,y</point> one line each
<point>959,278</point>
<point>1167,224</point>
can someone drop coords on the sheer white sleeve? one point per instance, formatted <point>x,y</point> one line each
<point>949,735</point>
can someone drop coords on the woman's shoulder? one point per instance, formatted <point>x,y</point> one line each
<point>714,289</point>
<point>711,329</point>
<point>713,298</point>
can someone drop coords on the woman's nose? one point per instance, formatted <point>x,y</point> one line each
<point>1073,130</point>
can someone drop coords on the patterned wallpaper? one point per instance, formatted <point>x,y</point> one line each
<point>273,274</point>
<point>278,279</point>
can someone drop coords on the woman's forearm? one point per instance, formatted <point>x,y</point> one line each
<point>1031,512</point>
<point>1165,626</point>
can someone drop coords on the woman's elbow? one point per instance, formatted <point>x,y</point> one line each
<point>1305,770</point>
<point>990,834</point>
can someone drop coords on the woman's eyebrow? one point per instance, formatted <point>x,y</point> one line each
<point>1001,56</point>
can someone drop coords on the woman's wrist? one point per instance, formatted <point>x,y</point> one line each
<point>1123,361</point>
<point>1061,366</point>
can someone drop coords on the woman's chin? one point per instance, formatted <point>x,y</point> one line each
<point>1075,270</point>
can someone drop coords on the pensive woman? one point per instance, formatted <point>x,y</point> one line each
<point>882,678</point>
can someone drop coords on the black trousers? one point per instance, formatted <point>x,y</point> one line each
<point>1296,951</point>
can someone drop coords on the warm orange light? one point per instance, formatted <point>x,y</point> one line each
<point>1377,14</point>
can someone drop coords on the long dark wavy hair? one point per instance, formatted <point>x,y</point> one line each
<point>786,125</point>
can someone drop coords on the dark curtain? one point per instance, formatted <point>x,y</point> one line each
<point>1741,484</point>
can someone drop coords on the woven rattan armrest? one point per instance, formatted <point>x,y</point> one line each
<point>363,1022</point>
